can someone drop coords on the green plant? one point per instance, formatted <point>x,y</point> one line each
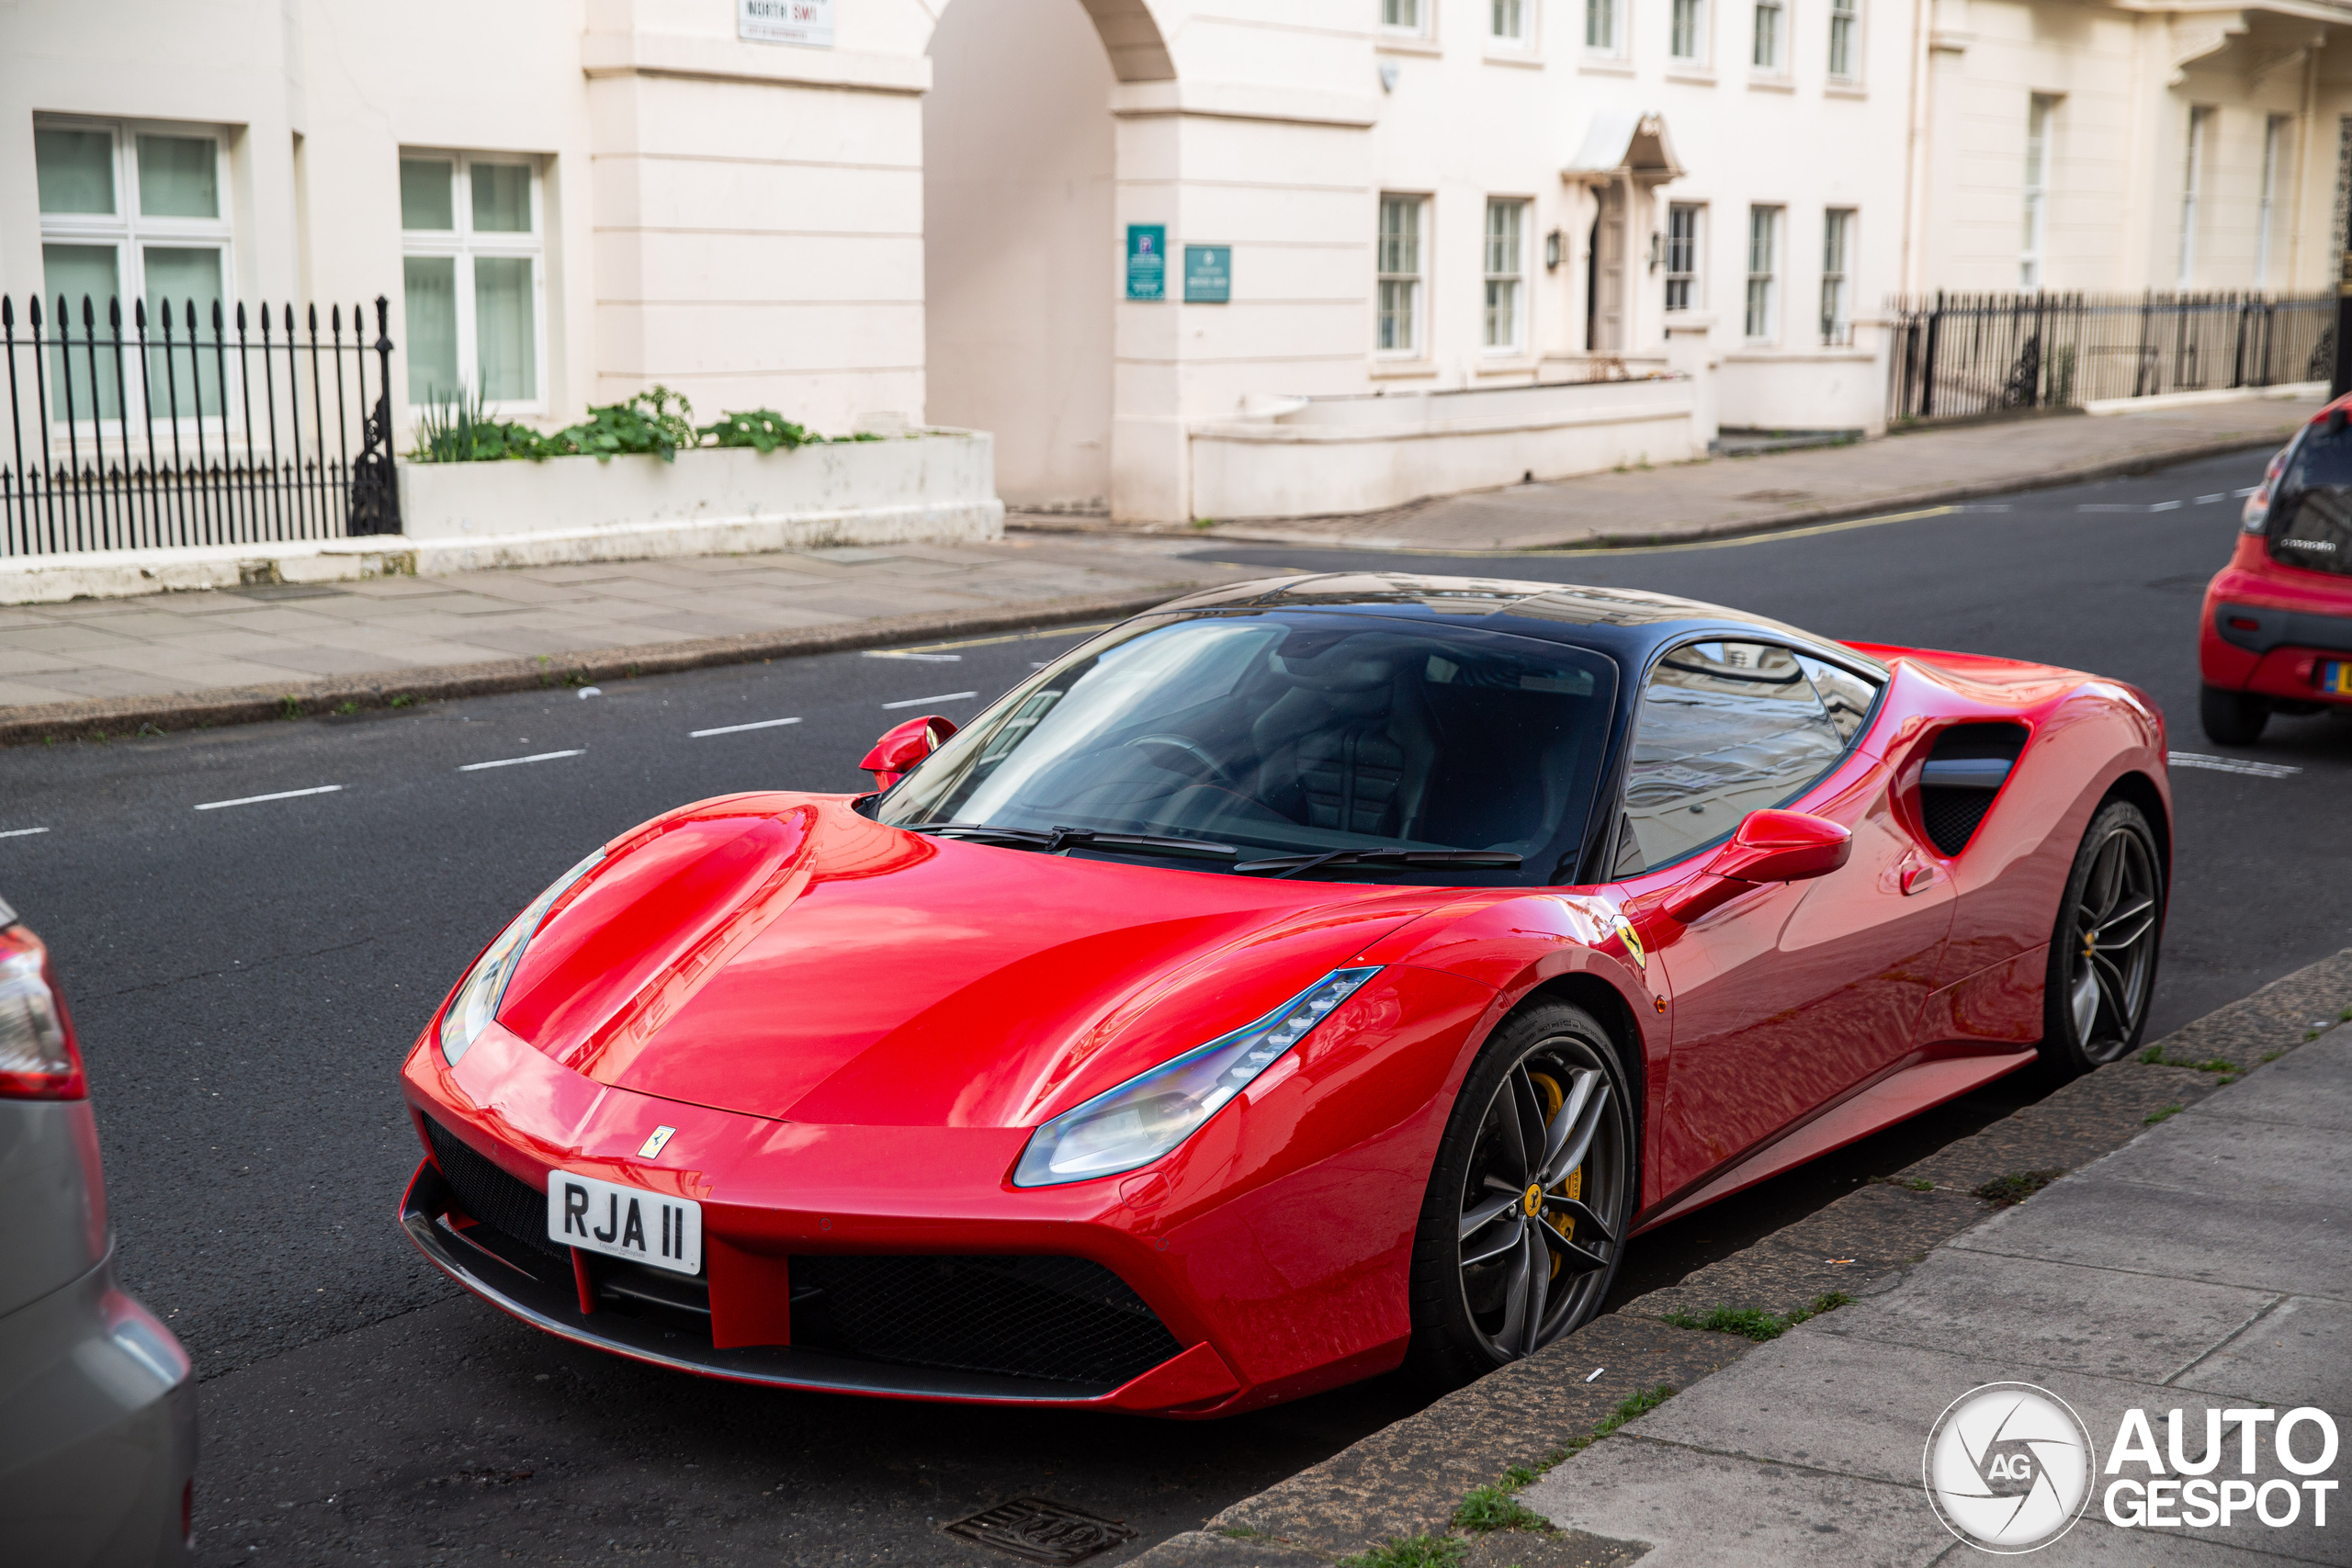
<point>347,707</point>
<point>645,424</point>
<point>1755,1323</point>
<point>289,706</point>
<point>2154,1056</point>
<point>454,431</point>
<point>2164,1113</point>
<point>2005,1191</point>
<point>2344,1016</point>
<point>401,700</point>
<point>1494,1508</point>
<point>1412,1552</point>
<point>761,428</point>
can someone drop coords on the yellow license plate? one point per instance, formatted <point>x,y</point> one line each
<point>2336,675</point>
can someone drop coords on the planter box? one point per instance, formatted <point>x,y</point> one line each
<point>1362,454</point>
<point>937,486</point>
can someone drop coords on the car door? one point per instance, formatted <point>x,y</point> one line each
<point>1789,996</point>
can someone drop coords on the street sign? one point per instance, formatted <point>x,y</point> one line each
<point>806,22</point>
<point>1208,275</point>
<point>1146,261</point>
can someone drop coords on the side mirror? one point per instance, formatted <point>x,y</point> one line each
<point>899,749</point>
<point>1767,846</point>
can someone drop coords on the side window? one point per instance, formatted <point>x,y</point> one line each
<point>1724,728</point>
<point>1846,696</point>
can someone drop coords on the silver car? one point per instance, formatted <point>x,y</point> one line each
<point>97,1401</point>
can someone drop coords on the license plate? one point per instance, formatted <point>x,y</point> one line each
<point>2336,675</point>
<point>652,1228</point>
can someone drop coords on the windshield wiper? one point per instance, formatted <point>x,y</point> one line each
<point>1290,865</point>
<point>1076,838</point>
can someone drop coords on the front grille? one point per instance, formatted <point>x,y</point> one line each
<point>1061,1318</point>
<point>489,1194</point>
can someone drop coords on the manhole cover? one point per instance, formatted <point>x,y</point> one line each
<point>1038,1531</point>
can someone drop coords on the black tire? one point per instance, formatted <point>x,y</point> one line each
<point>2232,719</point>
<point>2104,948</point>
<point>1554,1072</point>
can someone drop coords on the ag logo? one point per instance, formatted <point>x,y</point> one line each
<point>2008,1467</point>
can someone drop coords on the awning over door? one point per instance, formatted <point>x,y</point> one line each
<point>1624,144</point>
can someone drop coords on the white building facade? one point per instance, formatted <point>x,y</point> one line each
<point>1268,257</point>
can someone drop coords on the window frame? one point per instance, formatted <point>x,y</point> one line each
<point>1837,228</point>
<point>1701,13</point>
<point>1416,281</point>
<point>1692,248</point>
<point>1768,276</point>
<point>462,242</point>
<point>1424,15</point>
<point>2274,130</point>
<point>130,233</point>
<point>2041,129</point>
<point>1845,37</point>
<point>1617,46</point>
<point>1521,209</point>
<point>1776,67</point>
<point>2196,150</point>
<point>1524,13</point>
<point>1879,677</point>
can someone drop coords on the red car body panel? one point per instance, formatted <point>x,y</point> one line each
<point>854,1028</point>
<point>2268,626</point>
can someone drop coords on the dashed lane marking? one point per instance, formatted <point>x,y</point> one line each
<point>739,729</point>
<point>2231,765</point>
<point>943,697</point>
<point>2209,500</point>
<point>257,800</point>
<point>517,761</point>
<point>911,653</point>
<point>20,832</point>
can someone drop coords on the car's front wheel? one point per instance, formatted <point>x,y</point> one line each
<point>2232,719</point>
<point>2103,953</point>
<point>1524,1222</point>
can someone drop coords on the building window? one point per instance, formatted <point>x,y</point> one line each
<point>1845,25</point>
<point>1400,273</point>
<point>1836,277</point>
<point>1685,35</point>
<point>2274,152</point>
<point>1506,21</point>
<point>1766,56</point>
<point>1763,249</point>
<point>131,212</point>
<point>1681,256</point>
<point>2041,110</point>
<point>1401,16</point>
<point>2192,179</point>
<point>471,260</point>
<point>1505,274</point>
<point>1603,28</point>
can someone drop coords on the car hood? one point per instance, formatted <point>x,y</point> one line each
<point>783,956</point>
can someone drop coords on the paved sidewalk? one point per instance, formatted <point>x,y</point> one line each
<point>1740,495</point>
<point>2206,1264</point>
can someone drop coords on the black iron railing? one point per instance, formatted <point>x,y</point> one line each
<point>174,429</point>
<point>1959,356</point>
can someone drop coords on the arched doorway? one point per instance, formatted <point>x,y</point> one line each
<point>1020,250</point>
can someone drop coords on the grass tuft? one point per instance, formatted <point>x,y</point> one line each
<point>1494,1508</point>
<point>2154,1056</point>
<point>2006,1191</point>
<point>1413,1552</point>
<point>289,706</point>
<point>402,700</point>
<point>1755,1323</point>
<point>2164,1114</point>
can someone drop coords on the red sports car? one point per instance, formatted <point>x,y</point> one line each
<point>2276,636</point>
<point>1304,979</point>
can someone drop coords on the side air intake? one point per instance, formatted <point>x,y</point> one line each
<point>1967,768</point>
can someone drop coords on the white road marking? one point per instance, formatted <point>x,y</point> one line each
<point>257,800</point>
<point>514,761</point>
<point>2209,500</point>
<point>2248,490</point>
<point>2106,506</point>
<point>2167,506</point>
<point>739,729</point>
<point>945,697</point>
<point>20,832</point>
<point>2231,765</point>
<point>904,653</point>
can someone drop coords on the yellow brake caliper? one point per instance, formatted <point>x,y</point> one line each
<point>1573,1187</point>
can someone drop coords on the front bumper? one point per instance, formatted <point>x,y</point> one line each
<point>97,1430</point>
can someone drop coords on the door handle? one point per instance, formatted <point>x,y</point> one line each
<point>1918,878</point>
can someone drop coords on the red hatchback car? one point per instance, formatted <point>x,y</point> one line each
<point>1307,977</point>
<point>2276,632</point>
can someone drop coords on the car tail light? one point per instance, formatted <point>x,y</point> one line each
<point>37,1057</point>
<point>187,1513</point>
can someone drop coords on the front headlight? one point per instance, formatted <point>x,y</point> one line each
<point>476,1002</point>
<point>1150,1114</point>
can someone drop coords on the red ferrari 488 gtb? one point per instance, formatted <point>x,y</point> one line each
<point>1305,978</point>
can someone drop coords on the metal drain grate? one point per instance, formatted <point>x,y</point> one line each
<point>1038,1531</point>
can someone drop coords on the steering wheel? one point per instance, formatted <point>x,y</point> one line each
<point>1200,762</point>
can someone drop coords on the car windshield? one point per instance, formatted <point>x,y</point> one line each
<point>1330,744</point>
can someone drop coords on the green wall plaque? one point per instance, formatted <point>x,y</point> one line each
<point>1146,261</point>
<point>1208,275</point>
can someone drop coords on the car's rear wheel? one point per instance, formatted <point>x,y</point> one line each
<point>2232,719</point>
<point>2103,953</point>
<point>1524,1223</point>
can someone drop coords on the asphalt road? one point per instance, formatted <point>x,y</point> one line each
<point>246,978</point>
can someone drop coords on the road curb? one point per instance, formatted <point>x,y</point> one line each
<point>1752,525</point>
<point>1407,1479</point>
<point>99,717</point>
